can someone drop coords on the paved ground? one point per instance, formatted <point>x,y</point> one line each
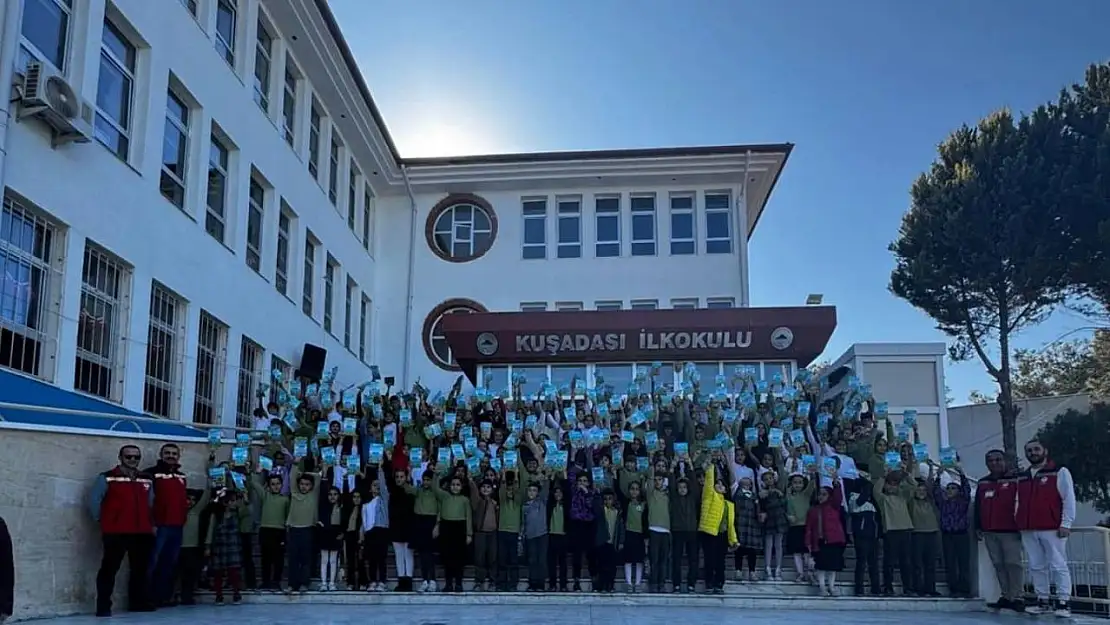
<point>538,615</point>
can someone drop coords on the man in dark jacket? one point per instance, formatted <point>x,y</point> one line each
<point>7,573</point>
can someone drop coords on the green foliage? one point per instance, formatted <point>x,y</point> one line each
<point>1064,368</point>
<point>1079,441</point>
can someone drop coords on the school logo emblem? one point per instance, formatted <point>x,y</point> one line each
<point>487,344</point>
<point>782,338</point>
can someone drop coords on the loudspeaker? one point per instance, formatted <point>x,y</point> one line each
<point>312,362</point>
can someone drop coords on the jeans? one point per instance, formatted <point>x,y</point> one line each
<point>163,563</point>
<point>581,537</point>
<point>867,560</point>
<point>508,563</point>
<point>137,549</point>
<point>659,555</point>
<point>271,541</point>
<point>535,554</point>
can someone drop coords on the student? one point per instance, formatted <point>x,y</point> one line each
<point>248,536</point>
<point>825,536</point>
<point>557,539</point>
<point>799,493</point>
<point>223,549</point>
<point>865,537</point>
<point>425,510</point>
<point>508,530</point>
<point>892,494</point>
<point>191,561</point>
<point>953,498</point>
<point>659,531</point>
<point>749,529</point>
<point>329,539</point>
<point>400,500</point>
<point>352,542</point>
<point>925,538</point>
<point>454,530</point>
<point>301,523</point>
<point>485,535</point>
<point>632,547</point>
<point>581,530</point>
<point>534,530</point>
<point>772,505</point>
<point>269,490</point>
<point>607,540</point>
<point>716,529</point>
<point>375,533</point>
<point>685,509</point>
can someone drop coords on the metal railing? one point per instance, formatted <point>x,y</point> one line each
<point>1089,563</point>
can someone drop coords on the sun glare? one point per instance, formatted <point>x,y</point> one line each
<point>443,139</point>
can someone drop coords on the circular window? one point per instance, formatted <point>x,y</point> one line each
<point>435,341</point>
<point>461,228</point>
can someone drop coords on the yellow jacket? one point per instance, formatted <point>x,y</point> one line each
<point>714,506</point>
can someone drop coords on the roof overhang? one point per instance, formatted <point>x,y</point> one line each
<point>733,335</point>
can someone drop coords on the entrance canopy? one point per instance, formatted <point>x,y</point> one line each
<point>731,334</point>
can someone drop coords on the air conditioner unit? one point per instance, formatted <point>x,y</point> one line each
<point>46,96</point>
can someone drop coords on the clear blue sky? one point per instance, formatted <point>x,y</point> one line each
<point>864,88</point>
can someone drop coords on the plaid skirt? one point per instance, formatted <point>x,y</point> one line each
<point>224,551</point>
<point>749,531</point>
<point>774,506</point>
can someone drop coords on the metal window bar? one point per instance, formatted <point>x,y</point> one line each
<point>309,283</point>
<point>255,216</point>
<point>165,334</point>
<point>289,103</point>
<point>250,375</point>
<point>352,194</point>
<point>364,328</point>
<point>98,329</point>
<point>333,172</point>
<point>28,310</point>
<point>329,297</point>
<point>211,369</point>
<point>286,369</point>
<point>281,272</point>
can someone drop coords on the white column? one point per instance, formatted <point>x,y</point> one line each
<point>188,362</point>
<point>740,238</point>
<point>196,170</point>
<point>70,310</point>
<point>231,378</point>
<point>86,31</point>
<point>135,328</point>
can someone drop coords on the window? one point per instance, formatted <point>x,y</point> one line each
<point>781,368</point>
<point>191,6</point>
<point>643,225</point>
<point>263,65</point>
<point>175,150</point>
<point>309,271</point>
<point>718,223</point>
<point>256,213</point>
<point>643,304</point>
<point>614,305</point>
<point>46,28</point>
<point>607,215</point>
<point>563,375</point>
<point>364,327</point>
<point>707,372</point>
<point>211,369</point>
<point>682,225</point>
<point>104,285</point>
<point>286,371</point>
<point>250,378</point>
<point>685,303</point>
<point>720,302</point>
<point>289,102</point>
<point>570,228</point>
<point>164,349</point>
<point>348,308</point>
<point>333,171</point>
<point>226,18</point>
<point>435,341</point>
<point>28,283</point>
<point>314,142</point>
<point>534,378</point>
<point>114,91</point>
<point>568,305</point>
<point>367,217</point>
<point>533,307</point>
<point>496,378</point>
<point>329,290</point>
<point>619,376</point>
<point>215,222</point>
<point>463,230</point>
<point>535,229</point>
<point>352,192</point>
<point>281,273</point>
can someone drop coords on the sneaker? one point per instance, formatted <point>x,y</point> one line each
<point>431,585</point>
<point>778,575</point>
<point>1039,607</point>
<point>423,586</point>
<point>236,600</point>
<point>1062,610</point>
<point>219,601</point>
<point>288,590</point>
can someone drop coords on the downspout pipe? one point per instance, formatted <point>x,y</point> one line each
<point>407,360</point>
<point>9,47</point>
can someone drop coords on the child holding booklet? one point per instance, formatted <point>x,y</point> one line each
<point>269,491</point>
<point>716,528</point>
<point>607,540</point>
<point>301,523</point>
<point>749,529</point>
<point>222,546</point>
<point>632,547</point>
<point>329,539</point>
<point>825,536</point>
<point>799,495</point>
<point>534,526</point>
<point>374,538</point>
<point>454,530</point>
<point>773,517</point>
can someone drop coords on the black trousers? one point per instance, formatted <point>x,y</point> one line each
<point>246,556</point>
<point>271,542</point>
<point>352,556</point>
<point>659,555</point>
<point>684,543</point>
<point>926,547</point>
<point>375,550</point>
<point>713,548</point>
<point>897,550</point>
<point>746,552</point>
<point>867,560</point>
<point>137,549</point>
<point>453,549</point>
<point>956,547</point>
<point>557,560</point>
<point>189,564</point>
<point>535,554</point>
<point>508,561</point>
<point>606,563</point>
<point>581,535</point>
<point>300,541</point>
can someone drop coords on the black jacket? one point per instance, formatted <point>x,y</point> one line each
<point>7,571</point>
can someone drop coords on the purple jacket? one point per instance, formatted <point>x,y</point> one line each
<point>581,504</point>
<point>954,511</point>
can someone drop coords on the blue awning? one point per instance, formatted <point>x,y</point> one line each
<point>55,407</point>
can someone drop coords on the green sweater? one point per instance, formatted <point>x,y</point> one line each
<point>427,502</point>
<point>190,533</point>
<point>625,478</point>
<point>508,519</point>
<point>557,520</point>
<point>894,509</point>
<point>797,503</point>
<point>923,514</point>
<point>659,508</point>
<point>635,519</point>
<point>456,508</point>
<point>303,507</point>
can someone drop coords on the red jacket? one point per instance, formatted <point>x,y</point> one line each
<point>1039,505</point>
<point>823,524</point>
<point>995,498</point>
<point>125,503</point>
<point>171,503</point>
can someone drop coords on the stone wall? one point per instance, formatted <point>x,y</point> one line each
<point>46,482</point>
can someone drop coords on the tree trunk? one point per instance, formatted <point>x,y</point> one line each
<point>1006,406</point>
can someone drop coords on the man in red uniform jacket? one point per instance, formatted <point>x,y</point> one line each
<point>1045,511</point>
<point>121,503</point>
<point>171,505</point>
<point>994,524</point>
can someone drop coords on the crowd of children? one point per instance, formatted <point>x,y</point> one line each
<point>657,482</point>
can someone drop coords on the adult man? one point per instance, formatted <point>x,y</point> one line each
<point>1045,510</point>
<point>995,525</point>
<point>121,503</point>
<point>7,573</point>
<point>171,505</point>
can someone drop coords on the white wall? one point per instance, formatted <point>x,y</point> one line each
<point>96,197</point>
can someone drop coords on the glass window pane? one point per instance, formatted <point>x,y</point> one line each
<point>716,225</point>
<point>495,379</point>
<point>682,248</point>
<point>463,213</point>
<point>643,227</point>
<point>561,375</point>
<point>720,246</point>
<point>534,252</point>
<point>569,229</point>
<point>643,203</point>
<point>682,202</point>
<point>481,220</point>
<point>573,250</point>
<point>716,200</point>
<point>534,231</point>
<point>618,375</point>
<point>608,228</point>
<point>45,25</point>
<point>534,376</point>
<point>643,249</point>
<point>682,226</point>
<point>608,250</point>
<point>770,368</point>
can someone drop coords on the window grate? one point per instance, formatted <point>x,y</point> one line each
<point>164,348</point>
<point>98,365</point>
<point>250,377</point>
<point>211,370</point>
